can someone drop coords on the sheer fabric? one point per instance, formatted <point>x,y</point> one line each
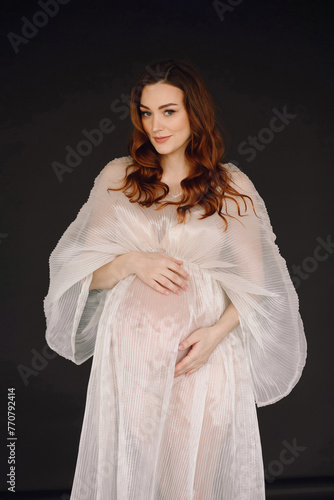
<point>147,435</point>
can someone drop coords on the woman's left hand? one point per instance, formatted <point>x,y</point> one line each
<point>203,341</point>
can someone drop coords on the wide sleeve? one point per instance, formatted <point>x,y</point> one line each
<point>256,279</point>
<point>72,311</point>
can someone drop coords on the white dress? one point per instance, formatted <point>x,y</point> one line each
<point>146,434</point>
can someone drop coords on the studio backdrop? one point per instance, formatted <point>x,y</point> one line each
<point>67,72</point>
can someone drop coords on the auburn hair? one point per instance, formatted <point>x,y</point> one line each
<point>208,182</point>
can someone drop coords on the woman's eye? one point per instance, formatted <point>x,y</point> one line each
<point>144,113</point>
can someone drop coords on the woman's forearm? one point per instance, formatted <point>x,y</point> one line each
<point>110,274</point>
<point>227,322</point>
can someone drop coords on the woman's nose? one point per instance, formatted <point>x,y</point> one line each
<point>156,124</point>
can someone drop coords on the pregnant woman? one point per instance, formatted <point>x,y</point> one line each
<point>171,279</point>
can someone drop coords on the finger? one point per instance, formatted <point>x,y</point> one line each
<point>169,280</point>
<point>192,371</point>
<point>156,286</point>
<point>191,367</point>
<point>179,271</point>
<point>179,370</point>
<point>172,258</point>
<point>191,340</point>
<point>174,264</point>
<point>186,364</point>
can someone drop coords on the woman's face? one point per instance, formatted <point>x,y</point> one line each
<point>164,115</point>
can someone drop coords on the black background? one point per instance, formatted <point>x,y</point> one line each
<point>260,57</point>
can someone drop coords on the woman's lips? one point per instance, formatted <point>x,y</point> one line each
<point>161,139</point>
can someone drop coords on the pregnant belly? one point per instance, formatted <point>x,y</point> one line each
<point>151,325</point>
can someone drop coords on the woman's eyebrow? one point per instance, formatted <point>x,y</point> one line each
<point>160,107</point>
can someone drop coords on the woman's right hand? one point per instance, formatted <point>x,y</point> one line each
<point>160,271</point>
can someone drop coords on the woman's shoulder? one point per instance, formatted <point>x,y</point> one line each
<point>230,167</point>
<point>118,164</point>
<point>238,177</point>
<point>114,172</point>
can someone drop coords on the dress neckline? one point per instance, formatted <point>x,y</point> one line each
<point>174,195</point>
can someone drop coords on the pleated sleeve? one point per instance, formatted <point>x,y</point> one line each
<point>259,285</point>
<point>72,311</point>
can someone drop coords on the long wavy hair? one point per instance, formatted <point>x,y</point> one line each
<point>208,182</point>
